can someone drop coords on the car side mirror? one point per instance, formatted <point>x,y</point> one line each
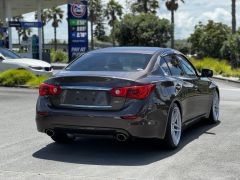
<point>207,73</point>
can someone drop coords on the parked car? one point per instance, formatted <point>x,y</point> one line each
<point>10,60</point>
<point>127,92</point>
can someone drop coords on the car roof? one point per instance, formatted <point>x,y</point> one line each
<point>140,50</point>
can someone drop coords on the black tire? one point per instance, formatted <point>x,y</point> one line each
<point>213,117</point>
<point>62,138</point>
<point>169,140</point>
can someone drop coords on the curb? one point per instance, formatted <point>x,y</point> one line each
<point>21,87</point>
<point>226,80</point>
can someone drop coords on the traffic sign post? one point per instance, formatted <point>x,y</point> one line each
<point>77,29</point>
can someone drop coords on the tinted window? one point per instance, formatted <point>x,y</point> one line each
<point>110,62</point>
<point>9,54</point>
<point>174,66</point>
<point>158,70</point>
<point>188,69</point>
<point>165,67</point>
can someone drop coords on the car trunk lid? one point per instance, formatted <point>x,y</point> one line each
<point>92,92</point>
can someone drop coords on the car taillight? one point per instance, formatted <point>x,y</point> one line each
<point>133,92</point>
<point>47,89</point>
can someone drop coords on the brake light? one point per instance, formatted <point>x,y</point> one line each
<point>129,117</point>
<point>47,89</point>
<point>133,92</point>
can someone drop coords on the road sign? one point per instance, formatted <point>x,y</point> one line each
<point>25,24</point>
<point>77,29</point>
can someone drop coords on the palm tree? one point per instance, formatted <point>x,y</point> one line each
<point>113,12</point>
<point>44,19</point>
<point>19,29</point>
<point>145,6</point>
<point>95,13</point>
<point>56,15</point>
<point>172,5</point>
<point>233,16</point>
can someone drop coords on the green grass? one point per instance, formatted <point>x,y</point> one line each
<point>14,77</point>
<point>219,67</point>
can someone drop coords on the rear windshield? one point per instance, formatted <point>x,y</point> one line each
<point>110,62</point>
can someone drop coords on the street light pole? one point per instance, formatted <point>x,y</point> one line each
<point>8,18</point>
<point>40,40</point>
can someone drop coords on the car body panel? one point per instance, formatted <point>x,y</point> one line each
<point>192,95</point>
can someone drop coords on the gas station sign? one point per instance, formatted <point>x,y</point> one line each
<point>77,29</point>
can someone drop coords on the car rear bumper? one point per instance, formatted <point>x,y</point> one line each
<point>140,128</point>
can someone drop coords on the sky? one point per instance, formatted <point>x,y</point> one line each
<point>187,16</point>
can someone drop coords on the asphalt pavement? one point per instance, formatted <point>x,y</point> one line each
<point>206,151</point>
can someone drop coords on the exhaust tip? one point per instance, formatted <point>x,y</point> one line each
<point>49,132</point>
<point>121,137</point>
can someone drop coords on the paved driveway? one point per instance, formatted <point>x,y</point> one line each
<point>206,151</point>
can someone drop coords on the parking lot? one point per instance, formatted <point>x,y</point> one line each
<point>206,151</point>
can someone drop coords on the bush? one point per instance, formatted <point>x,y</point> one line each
<point>15,77</point>
<point>219,67</point>
<point>36,81</point>
<point>59,56</point>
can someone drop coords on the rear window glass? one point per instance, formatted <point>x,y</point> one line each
<point>110,62</point>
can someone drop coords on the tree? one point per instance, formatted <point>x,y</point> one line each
<point>143,30</point>
<point>234,16</point>
<point>231,50</point>
<point>172,5</point>
<point>207,40</point>
<point>56,15</point>
<point>18,29</point>
<point>95,17</point>
<point>100,30</point>
<point>45,19</point>
<point>145,6</point>
<point>1,23</point>
<point>113,12</point>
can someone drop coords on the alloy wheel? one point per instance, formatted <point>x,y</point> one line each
<point>215,106</point>
<point>176,125</point>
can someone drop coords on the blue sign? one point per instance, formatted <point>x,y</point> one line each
<point>25,24</point>
<point>77,29</point>
<point>3,29</point>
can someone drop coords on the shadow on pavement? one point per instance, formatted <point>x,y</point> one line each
<point>105,151</point>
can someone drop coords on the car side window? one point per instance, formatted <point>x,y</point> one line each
<point>161,68</point>
<point>164,66</point>
<point>157,70</point>
<point>187,67</point>
<point>174,65</point>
